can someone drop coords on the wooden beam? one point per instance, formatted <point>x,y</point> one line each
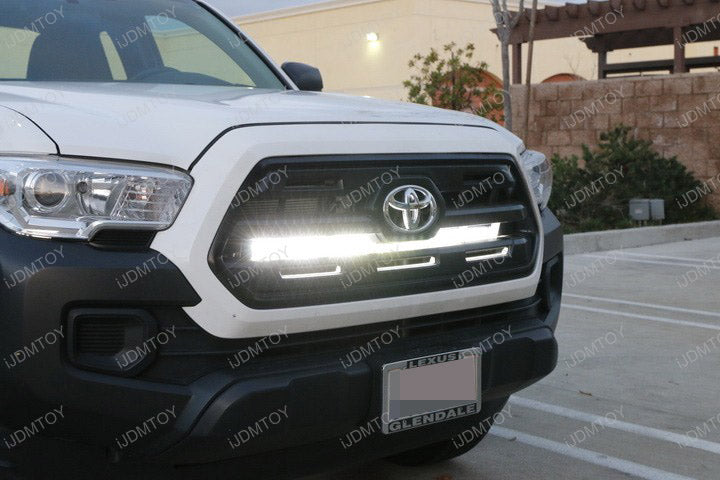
<point>661,65</point>
<point>656,14</point>
<point>595,8</point>
<point>572,10</point>
<point>552,13</point>
<point>649,38</point>
<point>602,64</point>
<point>517,63</point>
<point>679,64</point>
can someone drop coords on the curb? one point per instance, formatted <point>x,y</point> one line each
<point>589,242</point>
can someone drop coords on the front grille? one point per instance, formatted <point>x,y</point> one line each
<point>331,208</point>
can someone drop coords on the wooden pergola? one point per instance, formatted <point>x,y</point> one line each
<point>610,25</point>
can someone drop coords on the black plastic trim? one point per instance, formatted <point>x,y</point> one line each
<point>280,124</point>
<point>245,39</point>
<point>105,363</point>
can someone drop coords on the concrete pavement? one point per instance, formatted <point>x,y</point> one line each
<point>637,390</point>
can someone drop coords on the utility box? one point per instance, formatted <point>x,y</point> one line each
<point>640,209</point>
<point>657,209</point>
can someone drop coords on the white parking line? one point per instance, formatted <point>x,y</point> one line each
<point>679,259</point>
<point>655,433</point>
<point>652,262</point>
<point>649,305</point>
<point>617,464</point>
<point>671,321</point>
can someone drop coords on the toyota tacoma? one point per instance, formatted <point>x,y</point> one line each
<point>210,265</point>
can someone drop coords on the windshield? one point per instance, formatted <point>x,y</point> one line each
<point>146,41</point>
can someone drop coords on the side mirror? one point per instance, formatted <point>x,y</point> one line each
<point>306,78</point>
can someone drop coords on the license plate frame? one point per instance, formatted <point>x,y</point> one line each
<point>428,374</point>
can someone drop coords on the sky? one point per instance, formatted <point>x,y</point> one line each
<point>235,8</point>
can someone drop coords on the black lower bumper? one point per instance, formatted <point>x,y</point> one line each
<point>190,406</point>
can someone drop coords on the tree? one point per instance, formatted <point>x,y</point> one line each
<point>528,80</point>
<point>595,196</point>
<point>455,82</point>
<point>506,21</point>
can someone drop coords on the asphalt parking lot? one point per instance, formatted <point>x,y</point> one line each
<point>636,393</point>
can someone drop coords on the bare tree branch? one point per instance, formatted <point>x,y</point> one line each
<point>505,23</point>
<point>519,15</point>
<point>528,81</point>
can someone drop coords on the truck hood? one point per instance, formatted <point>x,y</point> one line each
<point>174,124</point>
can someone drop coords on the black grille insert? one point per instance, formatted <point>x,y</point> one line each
<point>344,195</point>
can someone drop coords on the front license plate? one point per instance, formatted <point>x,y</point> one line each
<point>431,389</point>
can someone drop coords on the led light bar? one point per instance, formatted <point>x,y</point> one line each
<point>295,276</point>
<point>412,264</point>
<point>316,247</point>
<point>490,254</point>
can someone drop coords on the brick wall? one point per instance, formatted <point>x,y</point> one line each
<point>679,114</point>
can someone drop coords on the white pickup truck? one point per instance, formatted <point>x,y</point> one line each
<point>208,265</point>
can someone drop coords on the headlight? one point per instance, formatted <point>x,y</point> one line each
<point>65,198</point>
<point>539,171</point>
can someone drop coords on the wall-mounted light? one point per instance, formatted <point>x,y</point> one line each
<point>372,37</point>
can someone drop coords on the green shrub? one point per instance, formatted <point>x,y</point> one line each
<point>596,196</point>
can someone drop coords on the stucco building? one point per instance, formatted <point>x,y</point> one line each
<point>333,35</point>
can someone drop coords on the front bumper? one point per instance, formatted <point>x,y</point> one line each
<point>324,399</point>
